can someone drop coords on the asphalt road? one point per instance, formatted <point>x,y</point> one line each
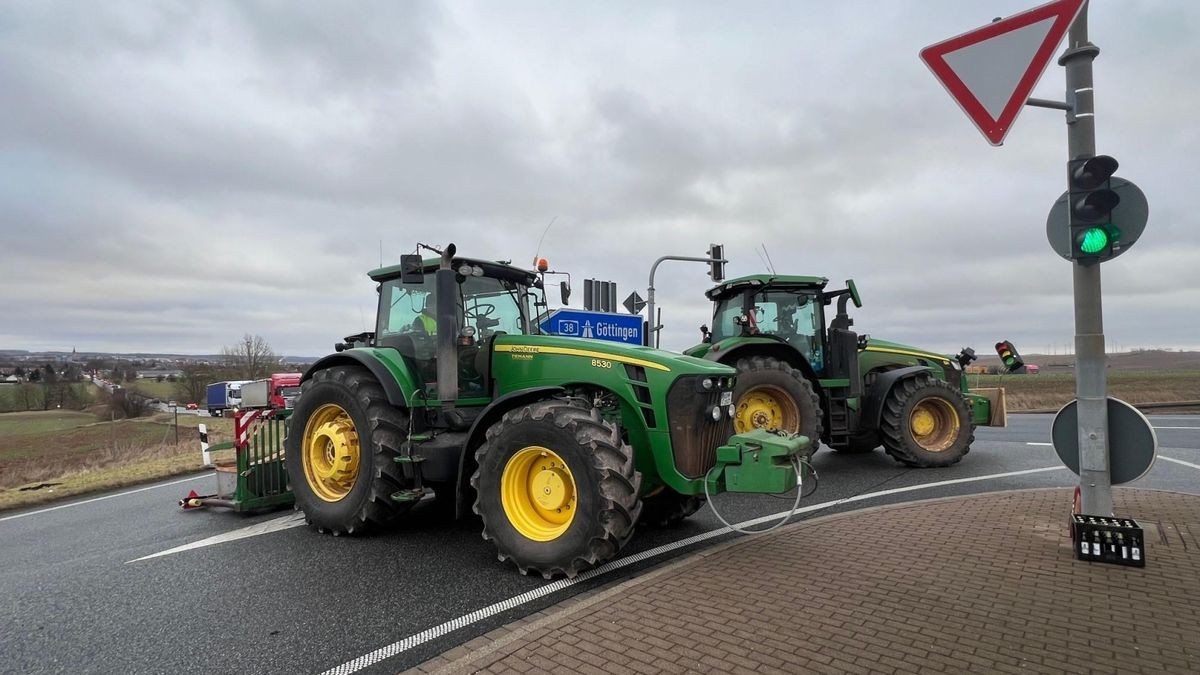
<point>294,601</point>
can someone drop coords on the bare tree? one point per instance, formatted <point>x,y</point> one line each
<point>191,386</point>
<point>251,358</point>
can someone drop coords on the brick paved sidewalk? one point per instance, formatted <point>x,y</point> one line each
<point>982,583</point>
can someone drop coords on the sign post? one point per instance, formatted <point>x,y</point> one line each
<point>990,72</point>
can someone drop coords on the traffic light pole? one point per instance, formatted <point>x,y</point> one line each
<point>1095,482</point>
<point>652,334</point>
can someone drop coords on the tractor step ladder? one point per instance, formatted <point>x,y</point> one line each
<point>257,478</point>
<point>839,422</point>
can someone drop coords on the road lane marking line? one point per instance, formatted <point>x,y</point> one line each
<point>98,499</point>
<point>1045,444</point>
<point>1193,428</point>
<point>1180,461</point>
<point>478,615</point>
<point>266,527</point>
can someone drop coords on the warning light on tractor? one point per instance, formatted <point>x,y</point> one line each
<point>543,264</point>
<point>1091,201</point>
<point>1009,356</point>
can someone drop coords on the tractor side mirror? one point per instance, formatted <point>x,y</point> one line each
<point>564,290</point>
<point>412,269</point>
<point>854,297</point>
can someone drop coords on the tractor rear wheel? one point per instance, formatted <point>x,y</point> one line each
<point>770,394</point>
<point>668,508</point>
<point>343,438</point>
<point>926,423</point>
<point>556,488</point>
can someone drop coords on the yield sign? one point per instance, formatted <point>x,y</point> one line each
<point>991,71</point>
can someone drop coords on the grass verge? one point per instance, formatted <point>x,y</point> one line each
<point>1054,390</point>
<point>50,455</point>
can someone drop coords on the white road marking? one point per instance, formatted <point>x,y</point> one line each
<point>1192,428</point>
<point>1180,461</point>
<point>1045,444</point>
<point>99,499</point>
<point>478,615</point>
<point>266,527</point>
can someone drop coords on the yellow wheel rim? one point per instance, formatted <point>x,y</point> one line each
<point>331,453</point>
<point>537,491</point>
<point>934,424</point>
<point>766,407</point>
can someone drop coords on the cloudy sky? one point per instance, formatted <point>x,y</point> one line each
<point>173,174</point>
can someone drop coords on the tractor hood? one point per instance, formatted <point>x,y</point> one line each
<point>646,357</point>
<point>885,346</point>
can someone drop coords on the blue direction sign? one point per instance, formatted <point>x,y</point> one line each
<point>596,325</point>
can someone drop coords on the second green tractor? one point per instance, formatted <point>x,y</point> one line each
<point>849,391</point>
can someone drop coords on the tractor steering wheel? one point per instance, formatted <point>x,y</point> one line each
<point>475,313</point>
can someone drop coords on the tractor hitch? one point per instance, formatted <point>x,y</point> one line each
<point>758,461</point>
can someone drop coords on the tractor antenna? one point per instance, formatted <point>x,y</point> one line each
<point>381,253</point>
<point>769,261</point>
<point>543,238</point>
<point>764,260</point>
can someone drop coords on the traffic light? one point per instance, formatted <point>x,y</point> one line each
<point>1091,201</point>
<point>716,263</point>
<point>1009,356</point>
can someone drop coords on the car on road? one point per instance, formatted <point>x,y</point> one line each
<point>191,406</point>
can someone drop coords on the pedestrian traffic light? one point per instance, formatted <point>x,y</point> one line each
<point>1009,356</point>
<point>716,263</point>
<point>1091,200</point>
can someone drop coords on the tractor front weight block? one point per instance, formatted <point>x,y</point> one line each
<point>757,461</point>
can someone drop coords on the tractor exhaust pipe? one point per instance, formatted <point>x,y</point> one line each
<point>446,292</point>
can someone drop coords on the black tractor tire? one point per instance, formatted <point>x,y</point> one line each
<point>778,378</point>
<point>861,443</point>
<point>381,430</point>
<point>606,486</point>
<point>668,508</point>
<point>905,445</point>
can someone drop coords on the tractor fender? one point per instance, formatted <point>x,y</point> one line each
<point>873,406</point>
<point>364,357</point>
<point>490,415</point>
<point>785,353</point>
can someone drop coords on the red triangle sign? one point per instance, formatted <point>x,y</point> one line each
<point>991,71</point>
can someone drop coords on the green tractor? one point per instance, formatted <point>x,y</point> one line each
<point>852,392</point>
<point>561,445</point>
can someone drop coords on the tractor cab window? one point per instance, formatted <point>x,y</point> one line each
<point>794,317</point>
<point>492,306</point>
<point>485,307</point>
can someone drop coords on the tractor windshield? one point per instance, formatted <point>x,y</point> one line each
<point>793,316</point>
<point>485,304</point>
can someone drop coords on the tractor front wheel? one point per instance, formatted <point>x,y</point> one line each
<point>771,395</point>
<point>343,438</point>
<point>556,488</point>
<point>926,423</point>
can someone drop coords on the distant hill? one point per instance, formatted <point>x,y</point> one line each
<point>1147,359</point>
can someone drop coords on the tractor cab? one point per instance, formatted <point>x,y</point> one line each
<point>787,309</point>
<point>482,300</point>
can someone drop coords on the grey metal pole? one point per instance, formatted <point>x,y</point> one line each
<point>1095,482</point>
<point>655,324</point>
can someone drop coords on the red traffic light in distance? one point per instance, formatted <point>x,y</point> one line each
<point>1009,356</point>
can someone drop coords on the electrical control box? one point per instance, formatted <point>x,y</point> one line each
<point>1108,539</point>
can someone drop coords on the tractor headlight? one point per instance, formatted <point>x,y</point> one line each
<point>716,413</point>
<point>731,410</point>
<point>707,383</point>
